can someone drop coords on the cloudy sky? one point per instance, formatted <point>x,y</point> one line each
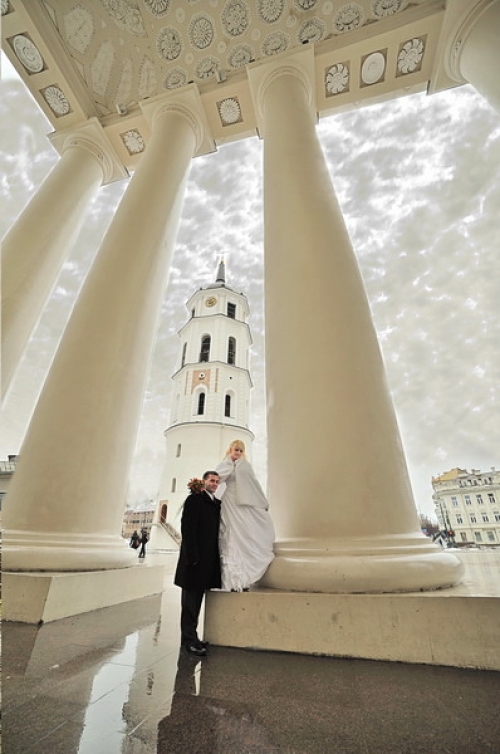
<point>418,180</point>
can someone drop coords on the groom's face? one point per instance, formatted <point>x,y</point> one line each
<point>211,483</point>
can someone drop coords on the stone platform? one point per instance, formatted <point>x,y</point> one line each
<point>49,596</point>
<point>458,627</point>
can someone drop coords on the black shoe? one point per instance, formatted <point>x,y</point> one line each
<point>203,644</point>
<point>195,649</point>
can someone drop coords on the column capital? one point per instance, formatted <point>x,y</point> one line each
<point>262,74</point>
<point>92,137</point>
<point>186,103</point>
<point>457,37</point>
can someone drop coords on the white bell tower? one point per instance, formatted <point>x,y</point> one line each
<point>210,397</point>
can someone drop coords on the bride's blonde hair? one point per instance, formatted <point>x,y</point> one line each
<point>236,444</point>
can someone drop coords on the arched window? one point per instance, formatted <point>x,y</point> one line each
<point>201,403</point>
<point>231,350</point>
<point>205,348</point>
<point>227,405</point>
<point>183,360</point>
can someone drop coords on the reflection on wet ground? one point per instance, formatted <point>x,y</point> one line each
<point>113,682</point>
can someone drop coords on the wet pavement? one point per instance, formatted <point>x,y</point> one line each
<point>113,682</point>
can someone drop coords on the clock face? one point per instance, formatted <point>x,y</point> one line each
<point>211,301</point>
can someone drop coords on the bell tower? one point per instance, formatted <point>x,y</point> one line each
<point>210,397</point>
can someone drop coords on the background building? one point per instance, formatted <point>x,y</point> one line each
<point>7,469</point>
<point>468,503</point>
<point>137,519</point>
<point>210,398</point>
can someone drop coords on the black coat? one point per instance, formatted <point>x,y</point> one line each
<point>198,567</point>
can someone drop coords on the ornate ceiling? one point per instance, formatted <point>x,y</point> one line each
<point>103,58</point>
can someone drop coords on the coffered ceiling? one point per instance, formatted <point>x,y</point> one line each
<point>103,58</point>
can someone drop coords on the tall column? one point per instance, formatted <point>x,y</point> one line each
<point>338,482</point>
<point>474,49</point>
<point>65,507</point>
<point>35,248</point>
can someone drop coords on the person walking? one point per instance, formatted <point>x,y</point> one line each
<point>144,541</point>
<point>198,567</point>
<point>135,540</point>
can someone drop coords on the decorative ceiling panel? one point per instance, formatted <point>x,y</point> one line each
<point>130,50</point>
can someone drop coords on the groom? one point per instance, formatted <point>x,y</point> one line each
<point>198,567</point>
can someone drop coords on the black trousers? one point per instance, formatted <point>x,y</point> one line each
<point>190,612</point>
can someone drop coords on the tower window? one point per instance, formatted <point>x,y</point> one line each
<point>227,405</point>
<point>183,360</point>
<point>205,348</point>
<point>174,484</point>
<point>178,452</point>
<point>231,350</point>
<point>231,311</point>
<point>201,403</point>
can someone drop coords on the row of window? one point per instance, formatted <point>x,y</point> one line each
<point>479,500</point>
<point>475,482</point>
<point>205,350</point>
<point>201,404</point>
<point>490,536</point>
<point>473,518</point>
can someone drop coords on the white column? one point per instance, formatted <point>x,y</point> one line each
<point>35,248</point>
<point>338,483</point>
<point>65,507</point>
<point>475,51</point>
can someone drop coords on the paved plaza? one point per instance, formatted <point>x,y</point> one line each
<point>113,682</point>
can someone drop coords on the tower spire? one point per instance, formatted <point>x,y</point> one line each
<point>221,272</point>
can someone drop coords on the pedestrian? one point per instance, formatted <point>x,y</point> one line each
<point>135,540</point>
<point>144,541</point>
<point>198,567</point>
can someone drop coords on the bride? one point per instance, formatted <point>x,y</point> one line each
<point>246,529</point>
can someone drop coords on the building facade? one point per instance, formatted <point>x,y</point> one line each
<point>135,519</point>
<point>210,397</point>
<point>468,503</point>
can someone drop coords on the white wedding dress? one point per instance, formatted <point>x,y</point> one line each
<point>246,530</point>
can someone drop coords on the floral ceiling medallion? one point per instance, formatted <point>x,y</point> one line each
<point>312,31</point>
<point>133,141</point>
<point>410,56</point>
<point>27,53</point>
<point>5,7</point>
<point>169,43</point>
<point>275,43</point>
<point>201,31</point>
<point>270,10</point>
<point>384,8</point>
<point>158,7</point>
<point>337,79</point>
<point>229,111</point>
<point>235,17</point>
<point>56,100</point>
<point>175,78</point>
<point>349,17</point>
<point>240,55</point>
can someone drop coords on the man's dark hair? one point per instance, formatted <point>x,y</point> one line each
<point>210,473</point>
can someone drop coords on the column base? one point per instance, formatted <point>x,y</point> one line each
<point>46,597</point>
<point>63,551</point>
<point>398,563</point>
